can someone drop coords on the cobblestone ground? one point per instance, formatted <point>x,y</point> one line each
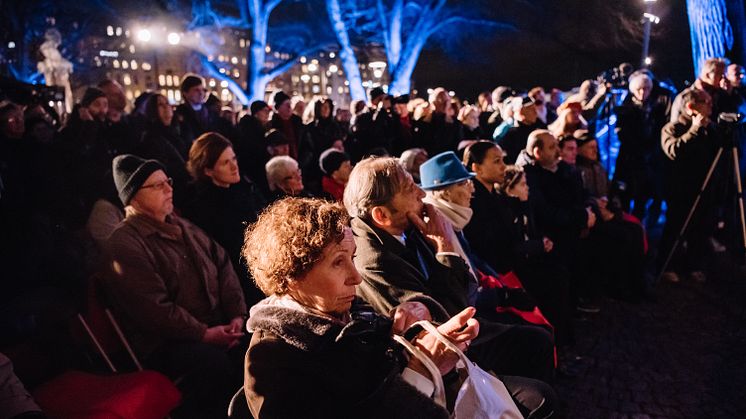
<point>681,356</point>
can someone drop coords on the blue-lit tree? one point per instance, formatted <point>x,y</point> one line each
<point>404,28</point>
<point>291,40</point>
<point>341,21</point>
<point>711,33</point>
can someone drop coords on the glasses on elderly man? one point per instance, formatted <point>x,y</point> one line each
<point>159,186</point>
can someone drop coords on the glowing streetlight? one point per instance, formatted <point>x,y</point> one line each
<point>648,61</point>
<point>144,35</point>
<point>173,38</point>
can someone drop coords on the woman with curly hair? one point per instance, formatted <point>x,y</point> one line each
<point>317,350</point>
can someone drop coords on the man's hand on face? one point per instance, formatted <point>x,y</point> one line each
<point>699,121</point>
<point>435,229</point>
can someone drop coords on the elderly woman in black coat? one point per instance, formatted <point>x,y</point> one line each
<point>318,350</point>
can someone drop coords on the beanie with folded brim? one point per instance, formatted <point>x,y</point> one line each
<point>130,172</point>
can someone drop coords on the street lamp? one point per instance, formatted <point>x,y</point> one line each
<point>648,19</point>
<point>144,35</point>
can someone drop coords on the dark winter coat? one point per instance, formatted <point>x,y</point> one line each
<point>306,365</point>
<point>515,140</point>
<point>690,153</point>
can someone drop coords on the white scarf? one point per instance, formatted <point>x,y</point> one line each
<point>458,216</point>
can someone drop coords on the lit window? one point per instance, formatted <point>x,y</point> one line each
<point>224,84</point>
<point>127,34</point>
<point>377,74</point>
<point>347,90</point>
<point>127,80</point>
<point>170,96</point>
<point>164,92</point>
<point>315,61</point>
<point>340,90</point>
<point>332,55</point>
<point>225,95</point>
<point>303,60</point>
<point>129,95</point>
<point>212,83</point>
<point>328,90</point>
<point>241,43</point>
<point>133,65</point>
<point>243,61</point>
<point>146,66</point>
<point>347,82</point>
<point>132,48</point>
<point>316,89</point>
<point>268,49</point>
<point>305,78</point>
<point>161,80</point>
<point>222,71</point>
<point>118,31</point>
<point>316,79</point>
<point>234,60</point>
<point>115,63</point>
<point>294,79</point>
<point>137,93</point>
<point>304,69</point>
<point>221,58</point>
<point>313,67</point>
<point>169,80</point>
<point>176,80</point>
<point>236,74</point>
<point>110,30</point>
<point>125,64</point>
<point>333,68</point>
<point>177,95</point>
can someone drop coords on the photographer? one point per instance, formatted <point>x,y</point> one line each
<point>690,144</point>
<point>640,118</point>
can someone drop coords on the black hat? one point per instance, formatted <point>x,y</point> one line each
<point>257,106</point>
<point>130,172</point>
<point>191,80</point>
<point>275,137</point>
<point>376,92</point>
<point>331,159</point>
<point>279,98</point>
<point>402,100</point>
<point>91,94</point>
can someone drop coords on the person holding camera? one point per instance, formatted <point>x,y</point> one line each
<point>690,144</point>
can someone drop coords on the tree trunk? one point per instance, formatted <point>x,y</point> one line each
<point>711,33</point>
<point>737,19</point>
<point>346,53</point>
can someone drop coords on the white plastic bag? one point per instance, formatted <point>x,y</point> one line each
<point>481,396</point>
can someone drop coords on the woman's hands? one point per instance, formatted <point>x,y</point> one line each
<point>461,329</point>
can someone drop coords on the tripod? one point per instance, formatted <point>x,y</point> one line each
<point>730,119</point>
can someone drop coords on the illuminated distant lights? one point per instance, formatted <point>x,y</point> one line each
<point>133,65</point>
<point>118,32</point>
<point>110,30</point>
<point>648,60</point>
<point>105,53</point>
<point>212,83</point>
<point>377,73</point>
<point>222,71</point>
<point>651,17</point>
<point>313,67</point>
<point>223,84</point>
<point>173,38</point>
<point>234,60</point>
<point>11,45</point>
<point>333,68</point>
<point>51,104</point>
<point>115,63</point>
<point>127,80</point>
<point>430,91</point>
<point>267,49</point>
<point>347,83</point>
<point>305,78</point>
<point>146,66</point>
<point>132,48</point>
<point>332,55</point>
<point>144,35</point>
<point>451,93</point>
<point>303,60</point>
<point>377,65</point>
<point>125,64</point>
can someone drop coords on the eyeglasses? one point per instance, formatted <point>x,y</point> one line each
<point>294,175</point>
<point>159,186</point>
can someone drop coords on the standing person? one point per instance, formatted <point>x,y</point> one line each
<point>690,146</point>
<point>469,118</point>
<point>175,291</point>
<point>639,166</point>
<point>543,111</point>
<point>192,116</point>
<point>375,126</point>
<point>291,126</point>
<point>251,145</point>
<point>222,202</point>
<point>710,78</point>
<point>526,120</point>
<point>324,133</point>
<point>161,142</point>
<point>445,128</point>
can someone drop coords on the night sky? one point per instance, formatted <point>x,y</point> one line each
<point>558,44</point>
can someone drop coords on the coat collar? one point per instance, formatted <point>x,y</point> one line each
<point>365,230</point>
<point>145,226</point>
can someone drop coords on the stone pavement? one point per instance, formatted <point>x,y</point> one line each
<point>682,356</point>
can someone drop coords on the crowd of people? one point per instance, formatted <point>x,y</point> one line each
<point>495,219</point>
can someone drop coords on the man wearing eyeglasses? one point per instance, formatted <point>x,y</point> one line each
<point>175,290</point>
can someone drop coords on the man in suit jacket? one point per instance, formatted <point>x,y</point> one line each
<point>404,253</point>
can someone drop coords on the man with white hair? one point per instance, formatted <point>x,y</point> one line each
<point>526,120</point>
<point>639,166</point>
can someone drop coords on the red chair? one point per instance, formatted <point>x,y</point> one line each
<point>80,395</point>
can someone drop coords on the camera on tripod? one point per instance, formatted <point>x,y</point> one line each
<point>727,124</point>
<point>616,77</point>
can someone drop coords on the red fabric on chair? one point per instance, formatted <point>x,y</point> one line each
<point>80,395</point>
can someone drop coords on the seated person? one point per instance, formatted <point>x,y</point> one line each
<point>401,256</point>
<point>336,167</point>
<point>284,178</point>
<point>222,202</point>
<point>174,290</point>
<point>317,350</point>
